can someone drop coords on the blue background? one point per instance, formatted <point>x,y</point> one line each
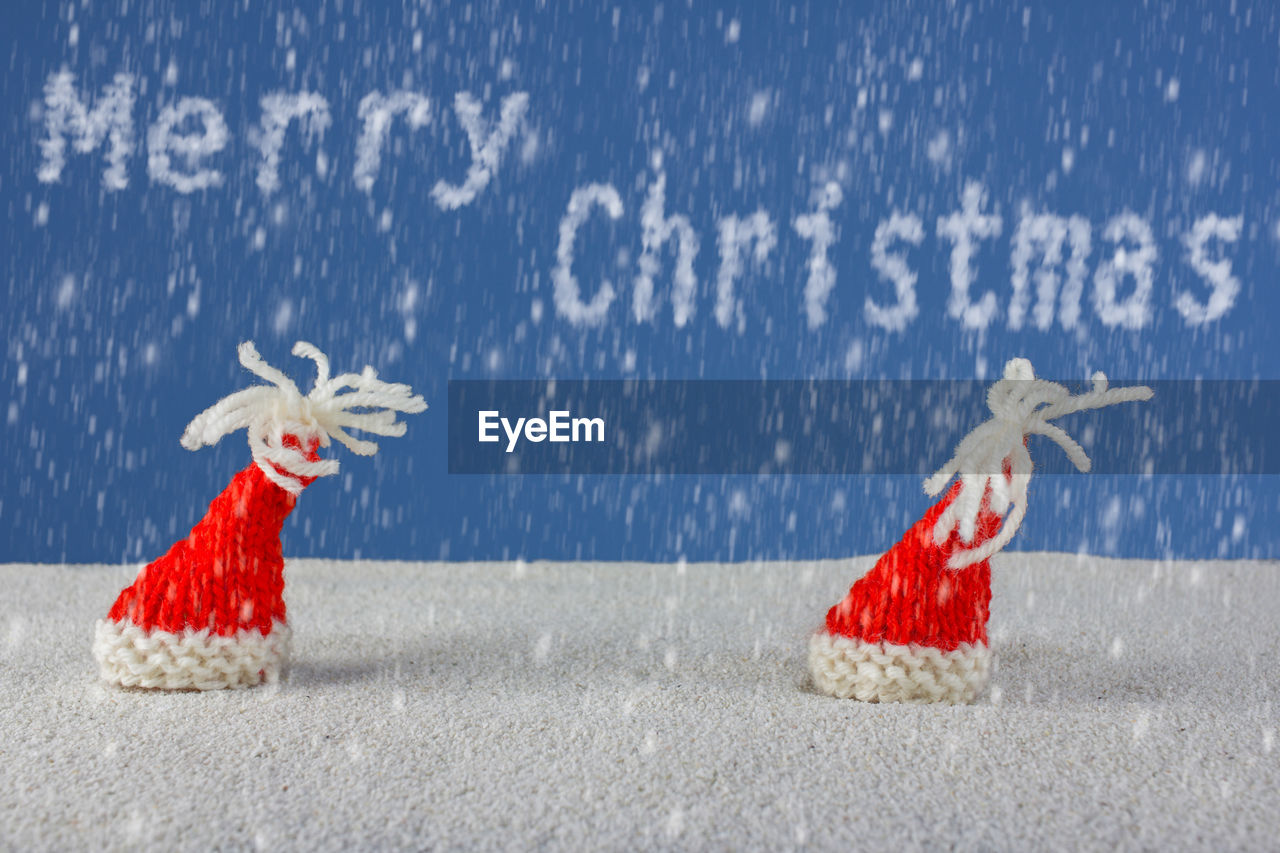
<point>122,309</point>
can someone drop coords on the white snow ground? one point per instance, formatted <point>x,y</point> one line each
<point>625,706</point>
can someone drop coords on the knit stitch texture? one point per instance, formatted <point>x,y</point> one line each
<point>228,574</point>
<point>910,597</point>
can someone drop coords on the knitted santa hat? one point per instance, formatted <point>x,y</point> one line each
<point>210,613</point>
<point>914,628</point>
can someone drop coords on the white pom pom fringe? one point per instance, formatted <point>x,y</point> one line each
<point>270,412</point>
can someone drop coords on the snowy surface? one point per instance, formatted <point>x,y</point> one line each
<point>616,706</point>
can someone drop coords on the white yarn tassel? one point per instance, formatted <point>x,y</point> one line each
<point>270,412</point>
<point>1020,405</point>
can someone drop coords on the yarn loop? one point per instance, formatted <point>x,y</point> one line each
<point>271,412</point>
<point>993,463</point>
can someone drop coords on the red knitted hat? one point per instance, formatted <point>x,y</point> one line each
<point>914,628</point>
<point>210,613</point>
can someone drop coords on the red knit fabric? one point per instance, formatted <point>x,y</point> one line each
<point>228,574</point>
<point>910,596</point>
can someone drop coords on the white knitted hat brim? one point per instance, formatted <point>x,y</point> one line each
<point>883,672</point>
<point>191,660</point>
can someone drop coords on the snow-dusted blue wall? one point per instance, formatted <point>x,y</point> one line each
<point>1139,139</point>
